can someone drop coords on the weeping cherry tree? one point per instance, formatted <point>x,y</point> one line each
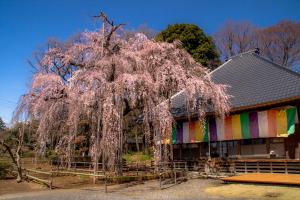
<point>100,76</point>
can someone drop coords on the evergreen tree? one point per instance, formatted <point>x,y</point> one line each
<point>2,125</point>
<point>200,46</point>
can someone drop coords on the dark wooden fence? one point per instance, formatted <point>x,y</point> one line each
<point>234,166</point>
<point>267,166</point>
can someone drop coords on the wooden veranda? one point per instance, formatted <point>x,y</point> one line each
<point>280,179</point>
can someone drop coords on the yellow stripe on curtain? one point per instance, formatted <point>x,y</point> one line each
<point>282,124</point>
<point>236,127</point>
<point>198,131</point>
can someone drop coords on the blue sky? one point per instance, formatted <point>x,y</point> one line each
<point>25,26</point>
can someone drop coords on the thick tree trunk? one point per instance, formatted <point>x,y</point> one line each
<point>119,166</point>
<point>19,168</point>
<point>69,155</point>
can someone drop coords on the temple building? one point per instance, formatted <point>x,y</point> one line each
<point>263,119</point>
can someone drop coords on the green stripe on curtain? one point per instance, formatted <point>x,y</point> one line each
<point>245,126</point>
<point>174,134</point>
<point>291,115</point>
<point>206,131</point>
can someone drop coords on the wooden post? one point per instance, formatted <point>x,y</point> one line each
<point>227,150</point>
<point>172,151</point>
<point>51,180</point>
<point>175,177</point>
<point>180,151</point>
<point>285,166</point>
<point>220,149</point>
<point>209,153</point>
<point>268,145</point>
<point>95,171</point>
<point>239,147</point>
<point>105,182</point>
<point>271,166</point>
<point>199,146</point>
<point>160,180</point>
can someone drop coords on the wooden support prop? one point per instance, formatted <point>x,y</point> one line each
<point>160,174</point>
<point>175,177</point>
<point>44,181</point>
<point>105,182</point>
<point>47,182</point>
<point>51,181</point>
<point>37,171</point>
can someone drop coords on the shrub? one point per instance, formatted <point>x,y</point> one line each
<point>5,167</point>
<point>52,155</point>
<point>29,154</point>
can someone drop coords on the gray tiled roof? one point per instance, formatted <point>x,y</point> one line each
<point>252,80</point>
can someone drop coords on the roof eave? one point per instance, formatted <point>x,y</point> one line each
<point>265,104</point>
<point>248,108</point>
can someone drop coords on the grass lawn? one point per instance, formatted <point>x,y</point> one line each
<point>254,191</point>
<point>136,157</point>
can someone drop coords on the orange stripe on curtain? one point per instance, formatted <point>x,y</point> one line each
<point>192,131</point>
<point>228,128</point>
<point>272,123</point>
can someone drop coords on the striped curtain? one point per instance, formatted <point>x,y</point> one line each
<point>248,125</point>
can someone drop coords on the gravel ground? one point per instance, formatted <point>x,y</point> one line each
<point>190,190</point>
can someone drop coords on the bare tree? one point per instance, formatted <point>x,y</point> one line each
<point>235,37</point>
<point>149,32</point>
<point>281,43</point>
<point>13,146</point>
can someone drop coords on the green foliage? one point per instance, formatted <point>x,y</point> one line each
<point>194,41</point>
<point>5,167</point>
<point>2,125</point>
<point>28,154</point>
<point>52,155</point>
<point>11,135</point>
<point>136,157</point>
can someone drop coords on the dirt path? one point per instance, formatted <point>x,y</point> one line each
<point>10,186</point>
<point>193,189</point>
<point>190,190</point>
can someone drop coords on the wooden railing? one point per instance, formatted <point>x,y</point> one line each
<point>267,166</point>
<point>171,177</point>
<point>219,166</point>
<point>171,172</point>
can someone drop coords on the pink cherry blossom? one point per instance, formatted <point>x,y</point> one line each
<point>99,78</point>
